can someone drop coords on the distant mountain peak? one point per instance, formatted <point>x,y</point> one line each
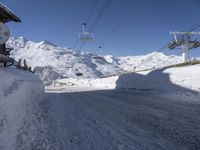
<point>18,39</point>
<point>24,40</point>
<point>45,42</point>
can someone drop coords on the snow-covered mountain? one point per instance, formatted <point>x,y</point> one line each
<point>52,62</point>
<point>152,60</point>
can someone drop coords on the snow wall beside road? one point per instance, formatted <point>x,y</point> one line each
<point>20,93</point>
<point>172,79</point>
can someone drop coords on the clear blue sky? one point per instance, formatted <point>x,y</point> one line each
<point>146,29</point>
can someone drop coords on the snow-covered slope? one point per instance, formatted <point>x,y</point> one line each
<point>20,94</point>
<point>155,60</point>
<point>52,62</point>
<point>168,80</point>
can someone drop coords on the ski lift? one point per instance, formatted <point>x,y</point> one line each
<point>172,45</point>
<point>85,36</point>
<point>194,43</point>
<point>78,74</point>
<point>100,57</point>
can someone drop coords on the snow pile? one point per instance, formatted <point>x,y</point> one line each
<point>52,62</point>
<point>20,93</point>
<point>99,83</point>
<point>172,79</point>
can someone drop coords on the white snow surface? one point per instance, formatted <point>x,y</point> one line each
<point>119,120</point>
<point>20,94</point>
<point>145,110</point>
<point>171,79</point>
<point>176,78</point>
<point>52,62</point>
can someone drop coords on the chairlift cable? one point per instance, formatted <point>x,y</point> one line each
<point>82,45</point>
<point>87,21</point>
<point>91,12</point>
<point>98,18</point>
<point>100,14</point>
<point>116,27</point>
<point>190,29</point>
<point>171,59</point>
<point>75,44</point>
<point>150,57</point>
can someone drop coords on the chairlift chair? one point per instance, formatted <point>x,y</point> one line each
<point>172,45</point>
<point>85,36</point>
<point>100,57</point>
<point>195,43</point>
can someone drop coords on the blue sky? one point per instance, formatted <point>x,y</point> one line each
<point>145,30</point>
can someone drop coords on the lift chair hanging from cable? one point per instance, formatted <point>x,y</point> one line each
<point>85,36</point>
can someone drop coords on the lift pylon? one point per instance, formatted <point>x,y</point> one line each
<point>186,41</point>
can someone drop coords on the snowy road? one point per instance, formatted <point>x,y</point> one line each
<point>118,119</point>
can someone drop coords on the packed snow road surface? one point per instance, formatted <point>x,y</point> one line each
<point>118,119</point>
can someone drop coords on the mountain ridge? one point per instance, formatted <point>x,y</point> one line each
<point>53,62</point>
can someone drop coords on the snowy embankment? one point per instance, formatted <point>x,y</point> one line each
<point>99,83</point>
<point>172,79</point>
<point>20,93</point>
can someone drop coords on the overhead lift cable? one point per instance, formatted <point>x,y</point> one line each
<point>87,20</point>
<point>190,29</point>
<point>91,12</point>
<point>100,14</point>
<point>162,64</point>
<point>98,18</point>
<point>115,28</point>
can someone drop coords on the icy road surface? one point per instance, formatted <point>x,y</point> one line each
<point>118,119</point>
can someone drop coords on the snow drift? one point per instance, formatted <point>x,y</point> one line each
<point>172,79</point>
<point>20,94</point>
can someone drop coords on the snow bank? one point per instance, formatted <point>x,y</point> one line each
<point>20,93</point>
<point>99,83</point>
<point>172,79</point>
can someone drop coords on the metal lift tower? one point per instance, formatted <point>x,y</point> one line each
<point>186,41</point>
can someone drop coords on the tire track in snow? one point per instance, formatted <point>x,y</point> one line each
<point>122,120</point>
